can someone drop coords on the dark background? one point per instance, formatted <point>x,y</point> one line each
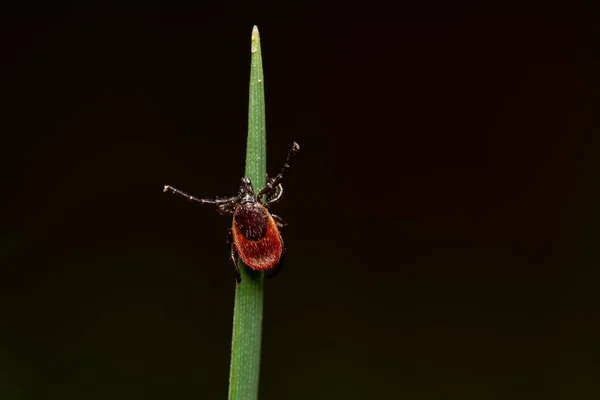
<point>443,211</point>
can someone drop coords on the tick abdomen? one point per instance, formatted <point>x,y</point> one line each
<point>256,237</point>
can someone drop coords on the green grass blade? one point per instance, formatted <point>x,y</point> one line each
<point>248,311</point>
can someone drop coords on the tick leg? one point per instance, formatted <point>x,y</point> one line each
<point>286,167</point>
<point>236,267</point>
<point>278,193</point>
<point>273,272</point>
<point>233,258</point>
<point>217,202</point>
<point>226,209</point>
<point>279,222</point>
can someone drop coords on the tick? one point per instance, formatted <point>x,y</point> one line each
<point>254,235</point>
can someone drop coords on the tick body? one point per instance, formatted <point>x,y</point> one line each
<point>255,235</point>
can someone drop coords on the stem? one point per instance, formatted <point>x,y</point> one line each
<point>248,310</point>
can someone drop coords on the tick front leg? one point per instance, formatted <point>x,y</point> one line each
<point>233,257</point>
<point>217,202</point>
<point>272,184</point>
<point>275,195</point>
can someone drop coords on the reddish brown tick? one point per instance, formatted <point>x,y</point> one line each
<point>255,233</point>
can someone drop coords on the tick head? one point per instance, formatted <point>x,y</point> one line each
<point>246,191</point>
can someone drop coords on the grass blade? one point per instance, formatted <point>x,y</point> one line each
<point>248,310</point>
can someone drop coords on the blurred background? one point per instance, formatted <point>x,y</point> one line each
<point>443,211</point>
